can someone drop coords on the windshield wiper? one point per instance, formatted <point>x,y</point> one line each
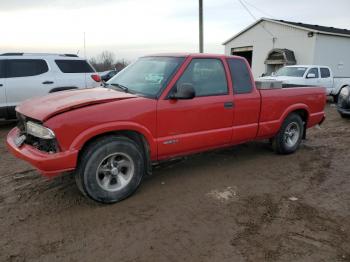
<point>124,88</point>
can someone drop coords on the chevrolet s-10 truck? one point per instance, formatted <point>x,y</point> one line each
<point>160,107</point>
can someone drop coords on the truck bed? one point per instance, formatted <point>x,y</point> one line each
<point>275,102</point>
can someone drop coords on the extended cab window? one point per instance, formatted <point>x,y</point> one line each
<point>2,68</point>
<point>241,80</point>
<point>325,72</point>
<point>74,66</point>
<point>314,70</point>
<point>25,67</point>
<point>207,77</point>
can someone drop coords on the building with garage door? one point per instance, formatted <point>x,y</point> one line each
<point>269,44</point>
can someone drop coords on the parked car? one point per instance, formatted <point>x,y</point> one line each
<point>110,136</point>
<point>24,76</point>
<point>343,105</point>
<point>105,76</point>
<point>311,75</point>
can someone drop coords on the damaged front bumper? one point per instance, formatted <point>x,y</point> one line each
<point>48,164</point>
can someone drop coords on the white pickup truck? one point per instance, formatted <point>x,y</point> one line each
<point>311,75</point>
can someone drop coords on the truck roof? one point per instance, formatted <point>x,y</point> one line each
<point>192,55</point>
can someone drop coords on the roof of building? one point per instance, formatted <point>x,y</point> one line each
<point>320,28</point>
<point>309,27</point>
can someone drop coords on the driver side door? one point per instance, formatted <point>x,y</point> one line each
<point>203,122</point>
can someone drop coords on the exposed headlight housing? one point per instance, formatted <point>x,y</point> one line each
<point>40,131</point>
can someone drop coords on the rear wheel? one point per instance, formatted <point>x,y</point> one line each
<point>110,169</point>
<point>289,137</point>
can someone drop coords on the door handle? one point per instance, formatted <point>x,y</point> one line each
<point>1,84</point>
<point>48,82</point>
<point>228,105</point>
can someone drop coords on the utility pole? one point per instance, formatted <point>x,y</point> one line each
<point>200,26</point>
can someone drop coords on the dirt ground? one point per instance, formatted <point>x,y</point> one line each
<point>239,204</point>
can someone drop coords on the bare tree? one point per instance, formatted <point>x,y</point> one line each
<point>104,61</point>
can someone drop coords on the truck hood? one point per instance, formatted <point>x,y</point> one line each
<point>43,108</point>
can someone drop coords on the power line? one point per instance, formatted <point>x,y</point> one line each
<point>251,14</point>
<point>258,9</point>
<point>247,9</point>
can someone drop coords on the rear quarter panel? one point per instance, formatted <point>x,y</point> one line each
<point>277,104</point>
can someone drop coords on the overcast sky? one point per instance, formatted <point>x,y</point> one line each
<point>131,28</point>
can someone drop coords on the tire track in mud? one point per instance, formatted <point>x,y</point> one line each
<point>277,229</point>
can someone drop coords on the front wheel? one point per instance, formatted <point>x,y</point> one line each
<point>289,137</point>
<point>110,169</point>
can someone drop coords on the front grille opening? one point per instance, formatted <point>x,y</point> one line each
<point>46,145</point>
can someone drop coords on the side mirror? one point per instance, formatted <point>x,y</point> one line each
<point>311,75</point>
<point>184,91</point>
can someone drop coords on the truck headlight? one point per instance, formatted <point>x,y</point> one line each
<point>40,131</point>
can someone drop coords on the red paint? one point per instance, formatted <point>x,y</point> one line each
<point>171,127</point>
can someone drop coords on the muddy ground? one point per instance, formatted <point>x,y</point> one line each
<point>239,204</point>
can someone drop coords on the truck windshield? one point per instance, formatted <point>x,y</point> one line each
<point>148,75</point>
<point>291,71</point>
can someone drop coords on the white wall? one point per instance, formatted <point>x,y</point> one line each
<point>287,37</point>
<point>333,51</point>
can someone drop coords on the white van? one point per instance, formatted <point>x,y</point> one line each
<point>24,75</point>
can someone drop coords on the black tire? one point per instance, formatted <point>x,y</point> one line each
<point>335,98</point>
<point>93,156</point>
<point>280,143</point>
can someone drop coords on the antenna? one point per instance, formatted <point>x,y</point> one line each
<point>84,46</point>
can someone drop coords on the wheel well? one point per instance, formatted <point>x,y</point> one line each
<point>137,137</point>
<point>304,116</point>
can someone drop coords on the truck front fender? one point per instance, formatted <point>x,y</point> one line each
<point>106,128</point>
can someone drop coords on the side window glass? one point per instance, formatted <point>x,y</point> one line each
<point>25,67</point>
<point>74,66</point>
<point>207,77</point>
<point>314,70</point>
<point>240,74</point>
<point>325,72</point>
<point>2,68</point>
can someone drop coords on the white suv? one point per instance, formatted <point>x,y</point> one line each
<point>24,76</point>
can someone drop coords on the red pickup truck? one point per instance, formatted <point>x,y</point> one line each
<point>159,107</point>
